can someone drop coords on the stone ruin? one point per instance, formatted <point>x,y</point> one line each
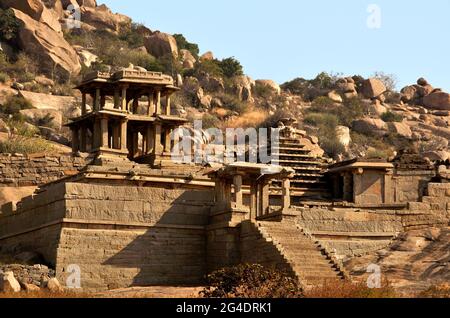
<point>131,217</point>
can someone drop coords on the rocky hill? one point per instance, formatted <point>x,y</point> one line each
<point>43,56</point>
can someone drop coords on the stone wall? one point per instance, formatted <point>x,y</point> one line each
<point>118,235</point>
<point>410,185</point>
<point>23,171</point>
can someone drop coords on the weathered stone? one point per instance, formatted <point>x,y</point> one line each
<point>373,88</point>
<point>437,100</point>
<point>50,48</point>
<point>208,56</point>
<point>8,283</point>
<point>274,87</point>
<point>370,125</point>
<point>54,286</point>
<point>161,44</point>
<point>401,129</point>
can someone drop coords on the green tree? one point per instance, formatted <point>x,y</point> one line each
<point>9,25</point>
<point>231,67</point>
<point>184,44</point>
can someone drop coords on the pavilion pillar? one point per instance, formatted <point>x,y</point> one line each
<point>264,198</point>
<point>158,102</point>
<point>238,195</point>
<point>253,200</point>
<point>96,134</point>
<point>158,147</point>
<point>83,104</point>
<point>135,145</point>
<point>104,132</point>
<point>286,196</point>
<point>97,98</point>
<point>123,135</point>
<point>168,105</point>
<point>168,141</point>
<point>75,140</point>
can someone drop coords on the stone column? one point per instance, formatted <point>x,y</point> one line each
<point>158,102</point>
<point>388,194</point>
<point>237,183</point>
<point>104,133</point>
<point>347,188</point>
<point>102,101</point>
<point>123,135</point>
<point>97,99</point>
<point>286,199</point>
<point>168,105</point>
<point>168,141</point>
<point>83,104</point>
<point>75,140</point>
<point>253,200</point>
<point>158,147</point>
<point>264,198</point>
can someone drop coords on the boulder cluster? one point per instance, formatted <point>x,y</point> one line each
<point>426,95</point>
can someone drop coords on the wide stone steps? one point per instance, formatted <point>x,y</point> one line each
<point>308,259</point>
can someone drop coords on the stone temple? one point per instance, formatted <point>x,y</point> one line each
<point>129,216</point>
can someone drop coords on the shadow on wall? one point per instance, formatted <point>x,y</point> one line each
<point>173,252</point>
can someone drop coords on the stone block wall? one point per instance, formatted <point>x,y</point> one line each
<point>22,171</point>
<point>118,235</point>
<point>410,185</point>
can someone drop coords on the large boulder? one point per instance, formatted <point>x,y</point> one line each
<point>370,126</point>
<point>161,44</point>
<point>212,83</point>
<point>44,117</point>
<point>208,56</point>
<point>243,87</point>
<point>270,84</point>
<point>102,18</point>
<point>37,11</point>
<point>188,59</point>
<point>437,100</point>
<point>48,46</point>
<point>373,88</point>
<point>8,283</point>
<point>45,101</point>
<point>402,129</point>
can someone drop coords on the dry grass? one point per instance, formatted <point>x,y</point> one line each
<point>339,289</point>
<point>439,291</point>
<point>45,294</point>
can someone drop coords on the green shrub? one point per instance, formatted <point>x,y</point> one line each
<point>232,103</point>
<point>14,104</point>
<point>183,44</point>
<point>250,281</point>
<point>134,35</point>
<point>332,146</point>
<point>322,104</point>
<point>211,67</point>
<point>263,91</point>
<point>351,110</point>
<point>231,67</point>
<point>391,117</point>
<point>4,77</point>
<point>326,120</point>
<point>9,25</point>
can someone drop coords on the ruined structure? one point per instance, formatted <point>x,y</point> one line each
<point>133,217</point>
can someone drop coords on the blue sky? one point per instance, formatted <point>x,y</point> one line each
<point>285,39</point>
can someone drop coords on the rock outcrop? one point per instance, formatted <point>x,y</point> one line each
<point>270,84</point>
<point>51,50</point>
<point>373,88</point>
<point>161,44</point>
<point>437,100</point>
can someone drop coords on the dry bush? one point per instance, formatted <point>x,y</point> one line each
<point>250,281</point>
<point>438,291</point>
<point>347,289</point>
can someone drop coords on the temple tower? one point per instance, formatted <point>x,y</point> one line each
<point>124,128</point>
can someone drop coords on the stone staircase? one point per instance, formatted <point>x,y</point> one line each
<point>309,180</point>
<point>303,258</point>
